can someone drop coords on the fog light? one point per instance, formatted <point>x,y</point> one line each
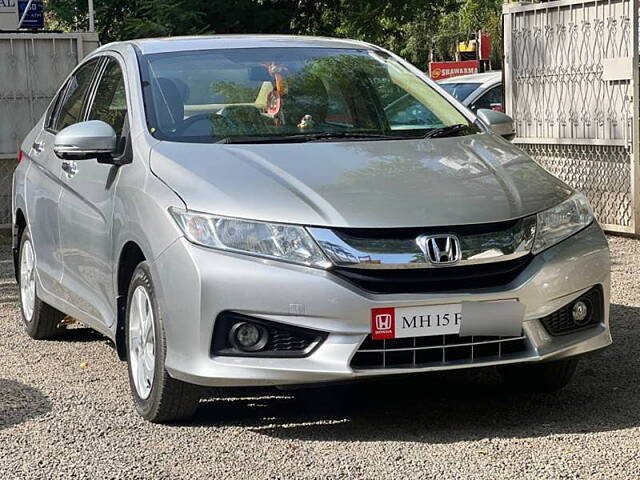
<point>580,313</point>
<point>248,337</point>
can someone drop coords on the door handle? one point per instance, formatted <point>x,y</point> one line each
<point>38,146</point>
<point>70,168</point>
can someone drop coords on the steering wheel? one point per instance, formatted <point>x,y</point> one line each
<point>231,119</point>
<point>206,124</point>
<point>244,112</point>
<point>204,117</point>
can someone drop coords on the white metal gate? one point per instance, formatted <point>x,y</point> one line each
<point>32,68</point>
<point>571,78</point>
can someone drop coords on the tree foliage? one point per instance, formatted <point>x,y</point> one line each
<point>413,29</point>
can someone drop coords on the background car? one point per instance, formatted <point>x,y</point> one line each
<point>481,90</point>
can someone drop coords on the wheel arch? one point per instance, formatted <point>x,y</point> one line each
<point>19,225</point>
<point>131,255</point>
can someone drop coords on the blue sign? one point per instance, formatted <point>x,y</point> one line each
<point>35,15</point>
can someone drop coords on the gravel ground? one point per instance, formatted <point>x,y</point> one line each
<point>61,417</point>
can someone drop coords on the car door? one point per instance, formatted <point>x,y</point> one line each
<point>88,198</point>
<point>43,185</point>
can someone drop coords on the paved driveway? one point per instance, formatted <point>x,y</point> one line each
<point>62,417</point>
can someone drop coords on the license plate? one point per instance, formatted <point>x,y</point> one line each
<point>500,317</point>
<point>401,322</point>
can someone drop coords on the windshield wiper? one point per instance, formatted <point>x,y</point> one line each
<point>448,131</point>
<point>310,137</point>
<point>307,137</point>
<point>254,139</point>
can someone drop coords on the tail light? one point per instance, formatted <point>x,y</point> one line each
<point>20,156</point>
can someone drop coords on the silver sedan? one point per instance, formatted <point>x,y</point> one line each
<point>267,210</point>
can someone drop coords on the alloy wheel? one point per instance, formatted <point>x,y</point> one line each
<point>27,280</point>
<point>142,342</point>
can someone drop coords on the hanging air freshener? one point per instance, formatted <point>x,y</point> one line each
<point>273,102</point>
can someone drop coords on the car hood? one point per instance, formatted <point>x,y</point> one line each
<point>398,183</point>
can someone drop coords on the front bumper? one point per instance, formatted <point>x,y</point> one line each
<point>195,284</point>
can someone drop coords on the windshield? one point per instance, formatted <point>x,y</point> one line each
<point>460,90</point>
<point>287,94</point>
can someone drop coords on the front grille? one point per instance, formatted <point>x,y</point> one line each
<point>423,280</point>
<point>408,247</point>
<point>561,321</point>
<point>438,350</point>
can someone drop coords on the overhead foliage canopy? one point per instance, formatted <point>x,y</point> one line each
<point>411,28</point>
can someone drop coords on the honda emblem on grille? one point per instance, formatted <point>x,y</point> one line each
<point>440,249</point>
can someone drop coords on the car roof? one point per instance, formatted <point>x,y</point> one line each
<point>486,77</point>
<point>208,42</point>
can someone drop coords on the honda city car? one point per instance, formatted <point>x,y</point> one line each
<point>279,211</point>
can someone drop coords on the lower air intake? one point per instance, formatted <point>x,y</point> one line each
<point>561,322</point>
<point>439,350</point>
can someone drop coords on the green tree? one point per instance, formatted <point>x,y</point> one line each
<point>412,28</point>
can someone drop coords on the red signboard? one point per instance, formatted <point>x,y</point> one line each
<point>442,70</point>
<point>485,46</point>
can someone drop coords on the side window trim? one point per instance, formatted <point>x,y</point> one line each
<point>54,109</point>
<point>93,87</point>
<point>126,155</point>
<point>96,83</point>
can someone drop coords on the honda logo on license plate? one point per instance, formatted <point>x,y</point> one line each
<point>383,323</point>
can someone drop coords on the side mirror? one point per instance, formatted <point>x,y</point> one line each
<point>498,122</point>
<point>86,140</point>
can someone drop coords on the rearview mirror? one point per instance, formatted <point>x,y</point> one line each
<point>498,122</point>
<point>85,140</point>
<point>259,74</point>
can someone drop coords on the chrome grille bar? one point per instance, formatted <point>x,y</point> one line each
<point>476,248</point>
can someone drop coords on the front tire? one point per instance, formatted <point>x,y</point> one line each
<point>157,397</point>
<point>41,320</point>
<point>545,377</point>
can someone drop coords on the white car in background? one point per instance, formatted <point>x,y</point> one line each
<point>481,90</point>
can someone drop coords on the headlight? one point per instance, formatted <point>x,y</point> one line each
<point>562,221</point>
<point>288,243</point>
